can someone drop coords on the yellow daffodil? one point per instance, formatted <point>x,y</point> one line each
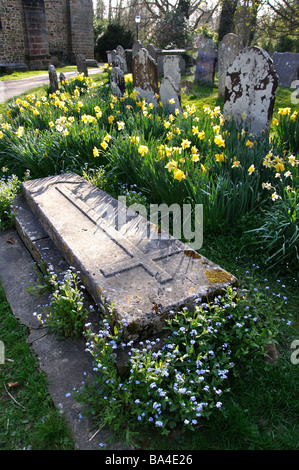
<point>195,157</point>
<point>236,163</point>
<point>220,157</point>
<point>1,135</point>
<point>275,122</point>
<point>104,144</point>
<point>120,125</point>
<point>178,174</point>
<point>249,143</point>
<point>171,165</point>
<point>142,149</point>
<point>185,143</point>
<point>279,167</point>
<point>251,169</point>
<point>110,119</point>
<point>95,152</point>
<point>284,111</point>
<point>219,141</point>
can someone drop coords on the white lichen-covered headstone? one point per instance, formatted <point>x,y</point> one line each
<point>170,95</point>
<point>250,89</point>
<point>145,76</point>
<point>53,79</point>
<point>206,61</point>
<point>171,68</point>
<point>227,50</point>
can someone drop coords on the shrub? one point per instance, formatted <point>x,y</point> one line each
<point>115,34</point>
<point>8,190</point>
<point>183,378</point>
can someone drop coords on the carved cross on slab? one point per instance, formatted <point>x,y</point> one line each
<point>136,256</point>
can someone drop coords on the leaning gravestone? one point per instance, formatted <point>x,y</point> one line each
<point>117,82</point>
<point>53,79</point>
<point>286,65</point>
<point>136,48</point>
<point>206,61</point>
<point>145,76</point>
<point>227,50</point>
<point>123,259</point>
<point>170,95</point>
<point>82,64</point>
<point>250,89</point>
<point>171,68</point>
<point>153,51</point>
<point>122,54</point>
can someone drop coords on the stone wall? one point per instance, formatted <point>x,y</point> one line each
<point>12,35</point>
<point>81,24</point>
<point>42,31</point>
<point>58,28</point>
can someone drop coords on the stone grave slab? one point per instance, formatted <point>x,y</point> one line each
<point>123,259</point>
<point>250,90</point>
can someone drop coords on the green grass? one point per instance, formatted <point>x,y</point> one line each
<point>32,73</point>
<point>33,423</point>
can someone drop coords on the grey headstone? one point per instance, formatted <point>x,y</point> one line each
<point>227,50</point>
<point>286,65</point>
<point>145,76</point>
<point>117,81</point>
<point>136,48</point>
<point>82,64</point>
<point>53,79</point>
<point>206,61</point>
<point>153,51</point>
<point>122,55</point>
<point>122,258</point>
<point>171,68</point>
<point>250,89</point>
<point>170,95</point>
<point>62,77</point>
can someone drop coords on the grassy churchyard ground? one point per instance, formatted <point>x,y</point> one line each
<point>213,386</point>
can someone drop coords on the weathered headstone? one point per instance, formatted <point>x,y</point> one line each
<point>122,55</point>
<point>62,78</point>
<point>153,51</point>
<point>227,50</point>
<point>136,48</point>
<point>117,82</point>
<point>122,258</point>
<point>145,76</point>
<point>170,95</point>
<point>206,61</point>
<point>53,79</point>
<point>171,67</point>
<point>250,89</point>
<point>82,64</point>
<point>286,65</point>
